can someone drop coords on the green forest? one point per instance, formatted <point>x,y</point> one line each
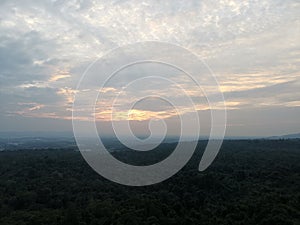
<point>251,182</point>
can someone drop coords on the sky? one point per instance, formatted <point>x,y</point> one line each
<point>252,47</point>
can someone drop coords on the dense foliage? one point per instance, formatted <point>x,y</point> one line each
<point>250,182</point>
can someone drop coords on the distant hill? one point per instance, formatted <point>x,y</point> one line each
<point>287,136</point>
<point>36,134</point>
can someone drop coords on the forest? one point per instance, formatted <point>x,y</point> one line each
<point>251,182</point>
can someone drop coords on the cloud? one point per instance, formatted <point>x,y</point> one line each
<point>45,46</point>
<point>61,75</point>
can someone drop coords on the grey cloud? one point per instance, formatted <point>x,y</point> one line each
<point>11,99</point>
<point>17,57</point>
<point>291,87</point>
<point>153,104</point>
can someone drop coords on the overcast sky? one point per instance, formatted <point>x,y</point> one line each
<point>253,48</point>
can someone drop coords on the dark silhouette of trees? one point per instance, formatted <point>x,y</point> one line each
<point>251,182</point>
